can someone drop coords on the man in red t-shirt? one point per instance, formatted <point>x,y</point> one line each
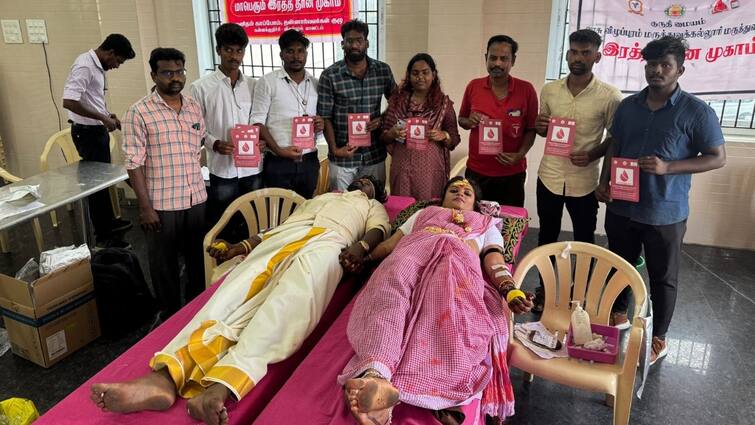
<point>499,97</point>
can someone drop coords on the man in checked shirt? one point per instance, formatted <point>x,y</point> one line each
<point>355,84</point>
<point>162,136</point>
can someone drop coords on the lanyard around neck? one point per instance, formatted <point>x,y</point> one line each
<point>303,100</point>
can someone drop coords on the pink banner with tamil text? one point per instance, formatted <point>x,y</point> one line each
<point>265,20</point>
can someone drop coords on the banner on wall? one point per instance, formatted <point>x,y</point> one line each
<point>720,33</point>
<point>265,20</point>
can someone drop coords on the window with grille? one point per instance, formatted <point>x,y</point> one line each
<point>261,59</point>
<point>737,116</point>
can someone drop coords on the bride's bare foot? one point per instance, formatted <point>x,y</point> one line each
<point>209,406</point>
<point>154,391</point>
<point>370,400</point>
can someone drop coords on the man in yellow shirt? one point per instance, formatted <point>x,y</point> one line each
<point>572,180</point>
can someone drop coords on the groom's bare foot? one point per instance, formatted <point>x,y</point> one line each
<point>154,391</point>
<point>209,406</point>
<point>370,400</point>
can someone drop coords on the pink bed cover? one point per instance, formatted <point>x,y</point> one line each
<point>78,409</point>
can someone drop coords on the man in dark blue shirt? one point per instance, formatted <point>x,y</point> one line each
<point>672,134</point>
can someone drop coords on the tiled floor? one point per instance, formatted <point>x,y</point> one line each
<point>707,377</point>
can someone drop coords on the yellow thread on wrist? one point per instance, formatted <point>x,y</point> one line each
<point>513,294</point>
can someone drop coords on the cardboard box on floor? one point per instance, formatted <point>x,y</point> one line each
<point>51,317</point>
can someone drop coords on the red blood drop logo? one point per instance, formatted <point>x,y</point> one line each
<point>624,176</point>
<point>560,134</point>
<point>417,132</point>
<point>360,127</point>
<point>302,130</point>
<point>245,147</point>
<point>491,134</point>
<point>719,6</point>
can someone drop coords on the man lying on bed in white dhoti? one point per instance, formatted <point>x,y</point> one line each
<point>264,309</point>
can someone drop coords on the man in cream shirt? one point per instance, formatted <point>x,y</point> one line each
<point>226,99</point>
<point>572,181</point>
<point>280,96</point>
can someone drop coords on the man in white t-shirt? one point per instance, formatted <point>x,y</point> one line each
<point>226,99</point>
<point>279,97</point>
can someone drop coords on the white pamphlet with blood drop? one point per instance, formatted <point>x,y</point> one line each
<point>358,134</point>
<point>625,179</point>
<point>246,140</point>
<point>416,133</point>
<point>560,138</point>
<point>303,132</point>
<point>491,137</point>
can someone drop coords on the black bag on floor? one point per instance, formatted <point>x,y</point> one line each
<point>124,301</point>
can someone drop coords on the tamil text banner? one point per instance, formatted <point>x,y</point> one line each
<point>720,33</point>
<point>265,20</point>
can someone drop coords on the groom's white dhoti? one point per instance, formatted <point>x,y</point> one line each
<point>269,304</point>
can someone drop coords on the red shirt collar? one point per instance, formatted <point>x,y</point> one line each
<point>486,83</point>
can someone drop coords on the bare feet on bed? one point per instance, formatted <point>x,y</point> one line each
<point>154,391</point>
<point>209,406</point>
<point>370,400</point>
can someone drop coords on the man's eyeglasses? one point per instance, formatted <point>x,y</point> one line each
<point>170,74</point>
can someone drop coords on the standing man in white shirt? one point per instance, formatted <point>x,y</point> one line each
<point>226,100</point>
<point>91,122</point>
<point>280,96</point>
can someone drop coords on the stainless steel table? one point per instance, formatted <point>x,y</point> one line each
<point>65,185</point>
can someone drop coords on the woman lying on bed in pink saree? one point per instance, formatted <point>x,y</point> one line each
<point>428,329</point>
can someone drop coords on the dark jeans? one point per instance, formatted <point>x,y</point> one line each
<point>224,191</point>
<point>583,211</point>
<point>93,144</point>
<point>663,249</point>
<point>506,190</point>
<point>181,232</point>
<point>301,177</point>
<point>221,193</point>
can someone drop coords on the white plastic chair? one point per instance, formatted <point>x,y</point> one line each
<point>578,271</point>
<point>262,209</point>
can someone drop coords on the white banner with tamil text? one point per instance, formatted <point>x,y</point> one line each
<point>720,63</point>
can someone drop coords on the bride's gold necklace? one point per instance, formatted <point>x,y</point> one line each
<point>457,217</point>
